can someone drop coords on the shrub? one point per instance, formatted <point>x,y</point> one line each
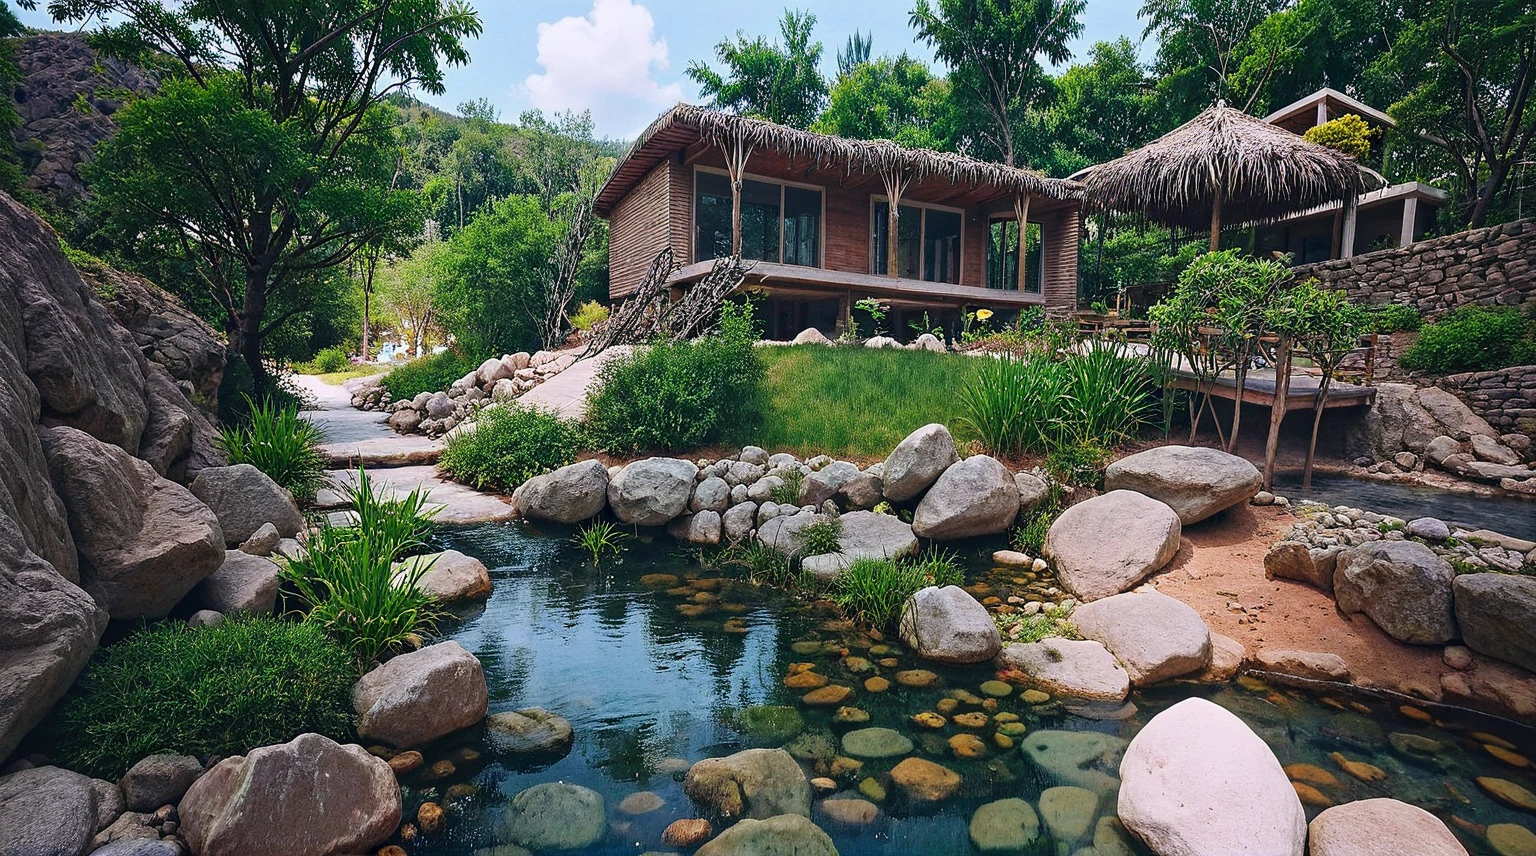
<point>1473,339</point>
<point>509,445</point>
<point>874,590</point>
<point>273,438</point>
<point>1030,537</point>
<point>429,374</point>
<point>1348,134</point>
<point>788,493</point>
<point>821,537</point>
<point>348,579</point>
<point>1395,317</point>
<point>681,395</point>
<point>220,690</point>
<point>1080,463</point>
<point>589,315</point>
<point>332,359</point>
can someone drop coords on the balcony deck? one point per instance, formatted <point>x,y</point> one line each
<point>808,283</point>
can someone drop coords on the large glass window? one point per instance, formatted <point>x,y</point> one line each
<point>927,243</point>
<point>1003,256</point>
<point>768,212</point>
<point>802,226</point>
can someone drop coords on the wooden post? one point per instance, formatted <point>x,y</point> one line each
<point>895,185</point>
<point>1410,216</point>
<point>1216,218</point>
<point>1347,238</point>
<point>736,154</point>
<point>1021,213</point>
<point>1277,408</point>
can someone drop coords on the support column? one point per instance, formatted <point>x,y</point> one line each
<point>1021,213</point>
<point>1410,216</point>
<point>1347,234</point>
<point>736,152</point>
<point>895,185</point>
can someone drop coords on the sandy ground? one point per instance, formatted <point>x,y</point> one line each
<point>1219,572</point>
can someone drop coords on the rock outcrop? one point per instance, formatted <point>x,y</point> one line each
<point>918,461</point>
<point>976,496</point>
<point>1196,482</point>
<point>49,810</point>
<point>1494,612</point>
<point>947,625</point>
<point>1155,637</point>
<point>1107,544</point>
<point>245,499</point>
<point>165,330</point>
<point>1402,585</point>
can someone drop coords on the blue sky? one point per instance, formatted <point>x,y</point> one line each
<point>624,59</point>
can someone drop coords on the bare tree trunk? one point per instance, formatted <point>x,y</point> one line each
<point>1277,409</point>
<point>1317,421</point>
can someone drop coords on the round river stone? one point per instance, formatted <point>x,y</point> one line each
<point>876,743</point>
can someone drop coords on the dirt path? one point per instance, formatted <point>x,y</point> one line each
<point>1219,572</point>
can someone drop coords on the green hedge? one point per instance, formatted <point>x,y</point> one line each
<point>509,445</point>
<point>1473,339</point>
<point>220,690</point>
<point>429,374</point>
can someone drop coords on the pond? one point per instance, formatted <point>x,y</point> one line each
<point>649,691</point>
<point>1510,515</point>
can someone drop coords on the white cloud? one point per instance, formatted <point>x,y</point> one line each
<point>606,62</point>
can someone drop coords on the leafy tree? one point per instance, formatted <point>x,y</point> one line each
<point>768,80</point>
<point>994,48</point>
<point>1202,45</point>
<point>272,156</point>
<point>408,288</point>
<point>855,53</point>
<point>1348,133</point>
<point>1324,325</point>
<point>1466,71</point>
<point>494,279</point>
<point>884,99</point>
<point>10,27</point>
<point>1104,107</point>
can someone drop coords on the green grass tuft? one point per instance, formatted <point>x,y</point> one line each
<point>275,439</point>
<point>873,590</point>
<point>508,445</point>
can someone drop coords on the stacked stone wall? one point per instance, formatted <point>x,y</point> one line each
<point>1506,397</point>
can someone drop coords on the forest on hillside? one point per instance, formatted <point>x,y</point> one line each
<point>280,190</point>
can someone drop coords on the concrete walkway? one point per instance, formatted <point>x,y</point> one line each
<point>455,503</point>
<point>361,437</point>
<point>566,392</point>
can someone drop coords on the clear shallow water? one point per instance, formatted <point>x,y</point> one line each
<point>1508,515</point>
<point>648,690</point>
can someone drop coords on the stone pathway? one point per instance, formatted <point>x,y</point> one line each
<point>361,437</point>
<point>566,392</point>
<point>456,503</point>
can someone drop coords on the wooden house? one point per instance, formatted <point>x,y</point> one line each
<point>812,214</point>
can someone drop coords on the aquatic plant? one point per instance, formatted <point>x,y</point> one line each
<point>398,526</point>
<point>821,536</point>
<point>1048,622</point>
<point>273,438</point>
<point>764,565</point>
<point>873,590</point>
<point>220,690</point>
<point>600,538</point>
<point>788,493</point>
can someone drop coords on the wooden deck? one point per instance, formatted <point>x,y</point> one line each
<point>1259,388</point>
<point>808,283</point>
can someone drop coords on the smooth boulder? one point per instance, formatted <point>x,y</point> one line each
<point>1402,586</point>
<point>1494,613</point>
<point>756,783</point>
<point>243,498</point>
<point>1195,481</point>
<point>976,496</point>
<point>143,540</point>
<point>1376,826</point>
<point>1105,545</point>
<point>49,811</point>
<point>652,491</point>
<point>244,583</point>
<point>1198,782</point>
<point>1155,637</point>
<point>309,797</point>
<point>530,731</point>
<point>1065,667</point>
<point>918,461</point>
<point>158,780</point>
<point>864,535</point>
<point>785,835</point>
<point>420,696</point>
<point>947,625</point>
<point>449,576</point>
<point>570,494</point>
<point>554,816</point>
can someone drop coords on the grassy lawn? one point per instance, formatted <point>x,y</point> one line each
<point>337,378</point>
<point>856,402</point>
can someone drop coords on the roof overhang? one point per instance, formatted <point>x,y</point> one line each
<point>1337,105</point>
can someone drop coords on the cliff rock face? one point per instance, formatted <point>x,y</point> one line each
<point>65,362</point>
<point>164,329</point>
<point>66,99</point>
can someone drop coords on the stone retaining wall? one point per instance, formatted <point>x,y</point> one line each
<point>1506,397</point>
<point>1493,266</point>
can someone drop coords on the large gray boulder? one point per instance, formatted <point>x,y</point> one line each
<point>918,461</point>
<point>711,494</point>
<point>48,811</point>
<point>1294,560</point>
<point>309,797</point>
<point>1198,782</point>
<point>158,780</point>
<point>865,535</point>
<point>1075,669</point>
<point>1405,417</point>
<point>947,625</point>
<point>450,576</point>
<point>756,783</point>
<point>782,533</point>
<point>1107,544</point>
<point>144,541</point>
<point>1494,612</point>
<point>976,496</point>
<point>1402,586</point>
<point>785,835</point>
<point>570,494</point>
<point>1377,826</point>
<point>702,528</point>
<point>530,731</point>
<point>420,696</point>
<point>244,583</point>
<point>243,498</point>
<point>1155,637</point>
<point>845,483</point>
<point>1196,482</point>
<point>737,522</point>
<point>652,491</point>
<point>554,816</point>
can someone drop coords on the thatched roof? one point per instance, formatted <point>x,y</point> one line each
<point>687,123</point>
<point>1265,173</point>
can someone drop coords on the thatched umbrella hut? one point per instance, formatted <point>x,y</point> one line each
<point>1223,166</point>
